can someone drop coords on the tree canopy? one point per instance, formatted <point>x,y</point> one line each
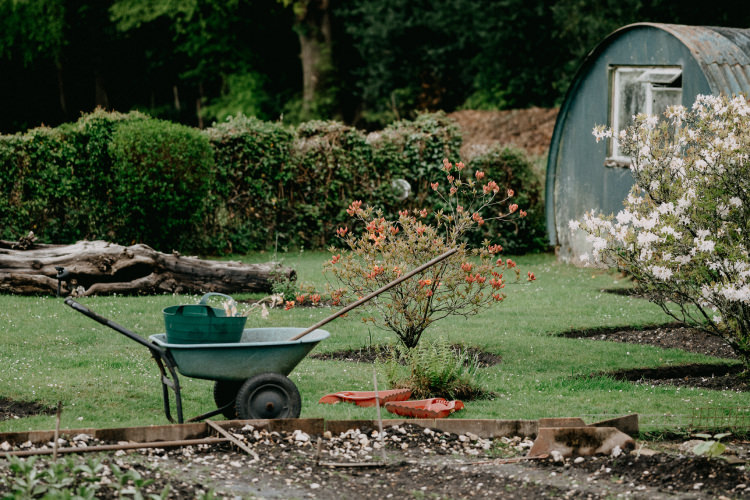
<point>366,62</point>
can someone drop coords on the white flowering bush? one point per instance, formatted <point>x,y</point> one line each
<point>684,231</point>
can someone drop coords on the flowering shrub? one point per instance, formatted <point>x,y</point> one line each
<point>463,284</point>
<point>684,233</point>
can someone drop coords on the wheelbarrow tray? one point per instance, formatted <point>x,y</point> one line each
<point>259,350</point>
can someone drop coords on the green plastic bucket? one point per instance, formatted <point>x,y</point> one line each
<point>202,324</point>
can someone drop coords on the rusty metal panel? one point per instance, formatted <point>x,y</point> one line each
<point>722,53</point>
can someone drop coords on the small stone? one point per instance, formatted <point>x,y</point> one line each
<point>314,486</point>
<point>579,460</point>
<point>327,435</point>
<point>301,437</point>
<point>5,446</point>
<point>740,486</point>
<point>557,456</point>
<point>697,486</point>
<point>472,436</point>
<point>616,451</point>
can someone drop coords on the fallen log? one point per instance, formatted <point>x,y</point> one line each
<point>102,268</point>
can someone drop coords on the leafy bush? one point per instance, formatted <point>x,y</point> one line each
<point>459,285</point>
<point>684,233</point>
<point>90,210</point>
<point>435,369</point>
<point>161,175</point>
<point>332,164</point>
<point>511,167</point>
<point>409,150</point>
<point>36,184</point>
<point>253,169</point>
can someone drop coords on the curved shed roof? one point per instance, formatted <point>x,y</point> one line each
<point>722,53</point>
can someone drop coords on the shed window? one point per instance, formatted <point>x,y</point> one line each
<point>638,89</point>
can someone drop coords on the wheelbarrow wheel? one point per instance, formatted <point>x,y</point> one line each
<point>268,395</point>
<point>225,392</point>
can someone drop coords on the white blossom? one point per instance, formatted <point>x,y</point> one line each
<point>661,272</point>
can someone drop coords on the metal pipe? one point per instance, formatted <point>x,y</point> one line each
<point>376,293</point>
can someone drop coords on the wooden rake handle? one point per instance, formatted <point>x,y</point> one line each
<point>376,292</point>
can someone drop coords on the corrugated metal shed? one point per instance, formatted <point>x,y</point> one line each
<point>722,53</point>
<point>712,60</point>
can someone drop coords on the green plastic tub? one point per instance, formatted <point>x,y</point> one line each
<point>202,324</point>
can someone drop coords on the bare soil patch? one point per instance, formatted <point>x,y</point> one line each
<point>10,409</point>
<point>375,353</point>
<point>675,336</point>
<point>529,129</point>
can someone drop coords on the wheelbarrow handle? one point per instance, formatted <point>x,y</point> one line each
<point>377,292</point>
<point>155,350</point>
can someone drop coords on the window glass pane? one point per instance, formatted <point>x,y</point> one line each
<point>637,90</point>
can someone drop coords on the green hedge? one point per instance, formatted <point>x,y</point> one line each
<point>36,181</point>
<point>161,176</point>
<point>241,185</point>
<point>332,167</point>
<point>410,150</point>
<point>511,168</point>
<point>253,170</point>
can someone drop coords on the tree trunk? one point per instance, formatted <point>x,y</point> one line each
<point>101,268</point>
<point>61,88</point>
<point>314,31</point>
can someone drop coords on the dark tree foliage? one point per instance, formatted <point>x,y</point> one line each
<point>194,61</point>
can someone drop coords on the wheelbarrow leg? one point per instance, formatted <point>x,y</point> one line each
<point>166,384</point>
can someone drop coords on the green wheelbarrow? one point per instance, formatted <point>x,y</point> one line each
<point>250,375</point>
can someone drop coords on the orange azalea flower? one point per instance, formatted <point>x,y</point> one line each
<point>394,230</point>
<point>477,218</point>
<point>460,165</point>
<point>522,213</point>
<point>447,165</point>
<point>301,298</point>
<point>342,231</point>
<point>336,258</point>
<point>510,193</point>
<point>531,276</point>
<point>466,267</point>
<point>479,175</point>
<point>423,213</point>
<point>354,207</point>
<point>493,249</point>
<point>315,298</point>
<point>434,186</point>
<point>288,305</point>
<point>513,207</point>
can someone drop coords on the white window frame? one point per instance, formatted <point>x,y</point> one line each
<point>655,80</point>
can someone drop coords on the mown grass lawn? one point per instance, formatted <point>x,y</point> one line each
<point>50,353</point>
